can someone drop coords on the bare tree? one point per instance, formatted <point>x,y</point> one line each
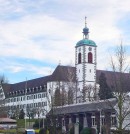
<point>3,110</point>
<point>71,85</point>
<point>88,93</point>
<point>120,86</point>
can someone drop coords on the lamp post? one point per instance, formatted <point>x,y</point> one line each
<point>100,112</point>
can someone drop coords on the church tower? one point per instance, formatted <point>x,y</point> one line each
<point>85,62</point>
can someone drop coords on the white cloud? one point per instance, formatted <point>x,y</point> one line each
<point>50,34</point>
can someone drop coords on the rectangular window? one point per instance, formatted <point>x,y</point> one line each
<point>93,121</point>
<point>28,97</point>
<point>27,105</point>
<point>31,96</point>
<point>45,94</point>
<point>103,121</point>
<point>42,95</point>
<point>34,104</point>
<point>39,104</point>
<point>39,95</point>
<point>42,104</point>
<point>24,106</point>
<point>113,121</point>
<point>63,122</point>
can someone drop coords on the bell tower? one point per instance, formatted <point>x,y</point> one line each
<point>85,62</point>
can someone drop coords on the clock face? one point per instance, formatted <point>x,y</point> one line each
<point>90,49</point>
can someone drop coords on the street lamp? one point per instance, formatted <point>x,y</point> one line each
<point>100,113</point>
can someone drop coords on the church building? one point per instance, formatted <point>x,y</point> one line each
<point>80,83</point>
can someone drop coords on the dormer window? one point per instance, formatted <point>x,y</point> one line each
<point>36,88</point>
<point>10,93</point>
<point>30,90</point>
<point>13,93</point>
<point>40,87</point>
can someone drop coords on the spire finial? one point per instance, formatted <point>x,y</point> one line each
<point>85,30</point>
<point>85,21</point>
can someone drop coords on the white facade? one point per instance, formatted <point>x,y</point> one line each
<point>37,102</point>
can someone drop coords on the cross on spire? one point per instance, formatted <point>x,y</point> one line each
<point>85,21</point>
<point>85,30</point>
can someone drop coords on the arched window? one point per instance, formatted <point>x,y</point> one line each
<point>90,57</point>
<point>79,58</point>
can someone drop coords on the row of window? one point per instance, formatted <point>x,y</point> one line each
<point>103,121</point>
<point>31,105</point>
<point>28,97</point>
<point>90,58</point>
<point>29,90</point>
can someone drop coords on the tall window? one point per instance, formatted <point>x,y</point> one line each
<point>90,57</point>
<point>79,58</point>
<point>113,119</point>
<point>93,120</point>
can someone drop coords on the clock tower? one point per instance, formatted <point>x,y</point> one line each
<point>85,62</point>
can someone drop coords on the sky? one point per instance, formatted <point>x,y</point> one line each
<point>38,35</point>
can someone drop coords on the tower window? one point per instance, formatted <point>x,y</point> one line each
<point>79,58</point>
<point>90,57</point>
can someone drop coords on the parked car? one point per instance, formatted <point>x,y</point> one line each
<point>29,131</point>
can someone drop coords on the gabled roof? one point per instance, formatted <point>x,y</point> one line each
<point>7,120</point>
<point>64,73</point>
<point>85,107</point>
<point>113,78</point>
<point>22,85</point>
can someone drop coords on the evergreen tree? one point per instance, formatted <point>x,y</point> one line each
<point>104,90</point>
<point>70,96</point>
<point>57,97</point>
<point>21,114</point>
<point>63,97</point>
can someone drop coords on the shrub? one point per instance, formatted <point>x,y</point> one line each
<point>93,131</point>
<point>71,130</point>
<point>86,131</point>
<point>42,131</point>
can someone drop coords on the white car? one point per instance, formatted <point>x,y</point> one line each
<point>29,131</point>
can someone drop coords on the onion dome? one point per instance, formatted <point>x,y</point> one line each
<point>86,42</point>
